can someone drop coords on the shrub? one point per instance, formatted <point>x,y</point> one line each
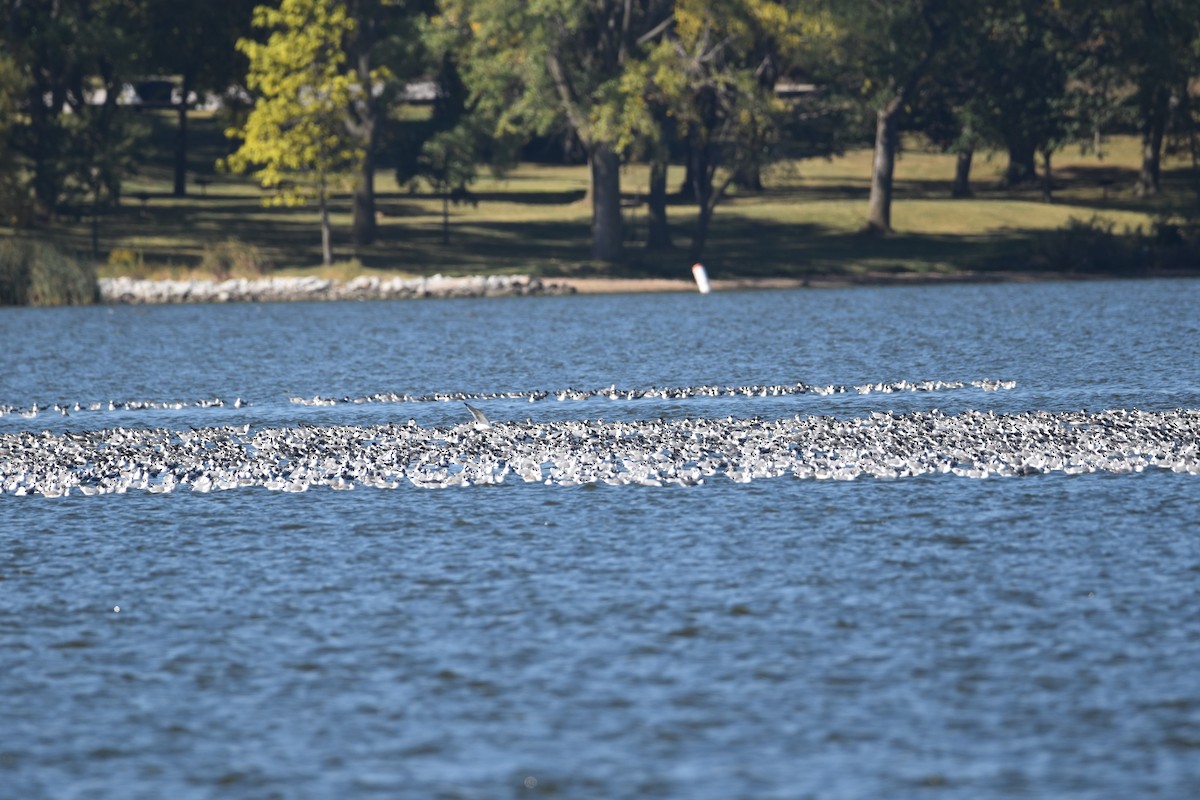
<point>1176,242</point>
<point>1095,246</point>
<point>37,274</point>
<point>1091,245</point>
<point>124,260</point>
<point>232,257</point>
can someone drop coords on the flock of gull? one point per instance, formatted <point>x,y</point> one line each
<point>66,409</point>
<point>665,393</point>
<point>611,392</point>
<point>659,452</point>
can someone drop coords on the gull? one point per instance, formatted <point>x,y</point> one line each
<point>481,420</point>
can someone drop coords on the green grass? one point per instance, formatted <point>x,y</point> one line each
<point>806,222</point>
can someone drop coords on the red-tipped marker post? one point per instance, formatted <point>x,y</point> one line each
<point>701,276</point>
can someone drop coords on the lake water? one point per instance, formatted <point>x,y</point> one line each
<point>934,636</point>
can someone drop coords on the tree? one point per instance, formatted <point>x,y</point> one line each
<point>710,79</point>
<point>948,109</point>
<point>12,89</point>
<point>533,68</point>
<point>947,119</point>
<point>445,148</point>
<point>1155,45</point>
<point>386,47</point>
<point>447,163</point>
<point>1024,75</point>
<point>645,126</point>
<point>195,41</point>
<point>1025,53</point>
<point>893,45</point>
<point>296,134</point>
<point>707,70</point>
<point>74,58</point>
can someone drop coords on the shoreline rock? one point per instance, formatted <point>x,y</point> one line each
<point>132,291</point>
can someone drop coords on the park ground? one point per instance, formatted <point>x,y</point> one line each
<point>803,228</point>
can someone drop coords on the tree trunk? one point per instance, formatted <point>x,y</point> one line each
<point>702,172</point>
<point>1193,145</point>
<point>879,206</point>
<point>367,115</point>
<point>96,222</point>
<point>365,229</point>
<point>181,138</point>
<point>687,189</point>
<point>700,237</point>
<point>1022,166</point>
<point>749,177</point>
<point>589,191</point>
<point>326,234</point>
<point>1047,178</point>
<point>658,232</point>
<point>962,173</point>
<point>1153,129</point>
<point>48,144</point>
<point>445,215</point>
<point>606,203</point>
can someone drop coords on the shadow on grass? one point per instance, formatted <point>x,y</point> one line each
<point>539,198</point>
<point>163,229</point>
<point>739,246</point>
<point>548,248</point>
<point>750,248</point>
<point>754,248</point>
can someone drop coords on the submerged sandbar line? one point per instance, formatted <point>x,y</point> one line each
<point>682,452</point>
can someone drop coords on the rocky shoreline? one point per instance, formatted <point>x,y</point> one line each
<point>137,291</point>
<point>133,291</point>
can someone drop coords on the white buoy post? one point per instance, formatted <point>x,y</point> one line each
<point>701,276</point>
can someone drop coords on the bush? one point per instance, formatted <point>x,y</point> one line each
<point>234,258</point>
<point>37,274</point>
<point>1092,245</point>
<point>1095,246</point>
<point>124,261</point>
<point>1175,242</point>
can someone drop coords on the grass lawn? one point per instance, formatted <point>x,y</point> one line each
<point>806,222</point>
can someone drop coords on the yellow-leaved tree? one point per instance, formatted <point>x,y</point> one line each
<point>296,138</point>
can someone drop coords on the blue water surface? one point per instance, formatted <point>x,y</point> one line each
<point>926,637</point>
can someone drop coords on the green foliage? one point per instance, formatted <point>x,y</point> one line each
<point>13,205</point>
<point>503,47</point>
<point>71,139</point>
<point>1025,107</point>
<point>104,154</point>
<point>295,137</point>
<point>711,81</point>
<point>447,160</point>
<point>646,80</point>
<point>12,86</point>
<point>196,41</point>
<point>37,274</point>
<point>444,149</point>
